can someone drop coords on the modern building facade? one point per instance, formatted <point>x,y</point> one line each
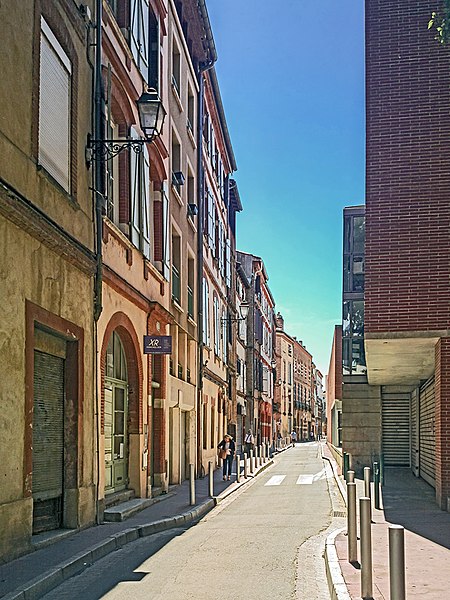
<point>48,263</point>
<point>407,289</point>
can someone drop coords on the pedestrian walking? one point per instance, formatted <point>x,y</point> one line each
<point>249,442</point>
<point>293,437</point>
<point>226,449</point>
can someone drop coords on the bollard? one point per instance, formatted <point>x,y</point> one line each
<point>367,482</point>
<point>238,468</point>
<point>397,562</point>
<point>345,465</point>
<point>351,523</point>
<point>252,462</point>
<point>210,480</point>
<point>366,547</point>
<point>257,449</point>
<point>381,469</point>
<point>376,485</point>
<point>245,465</point>
<point>191,485</point>
<point>351,476</point>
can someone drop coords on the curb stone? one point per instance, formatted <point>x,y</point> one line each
<point>336,584</point>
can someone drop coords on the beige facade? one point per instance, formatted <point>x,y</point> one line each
<point>47,264</point>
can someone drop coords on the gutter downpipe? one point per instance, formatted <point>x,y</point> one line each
<point>99,201</point>
<point>200,193</point>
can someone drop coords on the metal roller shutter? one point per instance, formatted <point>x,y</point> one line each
<point>48,441</point>
<point>427,432</point>
<point>396,427</point>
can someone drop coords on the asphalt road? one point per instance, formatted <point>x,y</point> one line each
<point>264,542</point>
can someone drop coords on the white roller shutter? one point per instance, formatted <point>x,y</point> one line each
<point>427,432</point>
<point>396,427</point>
<point>54,108</point>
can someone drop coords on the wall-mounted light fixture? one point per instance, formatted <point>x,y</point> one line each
<point>151,118</point>
<point>243,310</point>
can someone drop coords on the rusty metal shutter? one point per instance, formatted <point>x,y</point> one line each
<point>427,432</point>
<point>48,440</point>
<point>396,426</point>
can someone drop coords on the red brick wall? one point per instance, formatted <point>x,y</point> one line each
<point>442,383</point>
<point>408,169</point>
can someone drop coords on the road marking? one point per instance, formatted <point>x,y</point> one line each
<point>276,480</point>
<point>310,479</point>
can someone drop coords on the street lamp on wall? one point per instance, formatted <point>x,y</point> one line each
<point>151,118</point>
<point>243,310</point>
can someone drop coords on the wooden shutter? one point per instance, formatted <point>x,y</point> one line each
<point>228,262</point>
<point>139,28</point>
<point>54,108</point>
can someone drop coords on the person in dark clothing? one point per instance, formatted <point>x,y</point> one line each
<point>227,449</point>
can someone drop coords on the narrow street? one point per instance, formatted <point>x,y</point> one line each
<point>265,542</point>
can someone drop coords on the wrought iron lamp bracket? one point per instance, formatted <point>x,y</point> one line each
<point>107,149</point>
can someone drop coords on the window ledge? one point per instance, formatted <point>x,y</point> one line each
<point>177,195</point>
<point>177,97</point>
<point>177,306</point>
<point>192,321</point>
<point>192,224</point>
<point>191,137</point>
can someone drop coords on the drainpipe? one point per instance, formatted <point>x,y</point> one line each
<point>98,162</point>
<point>200,217</point>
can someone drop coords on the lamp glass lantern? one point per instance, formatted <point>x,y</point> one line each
<point>151,114</point>
<point>244,309</point>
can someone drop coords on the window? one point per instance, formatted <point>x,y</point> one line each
<point>162,232</point>
<point>139,34</point>
<point>112,176</point>
<point>190,192</point>
<point>190,288</point>
<point>154,54</point>
<point>54,108</point>
<point>224,322</point>
<point>176,268</point>
<point>191,111</point>
<point>176,68</point>
<point>140,198</point>
<point>216,325</point>
<point>206,329</point>
<point>176,163</point>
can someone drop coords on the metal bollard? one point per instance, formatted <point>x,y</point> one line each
<point>352,545</point>
<point>367,482</point>
<point>238,468</point>
<point>191,485</point>
<point>256,457</point>
<point>351,476</point>
<point>252,462</point>
<point>210,480</point>
<point>376,485</point>
<point>345,464</point>
<point>397,562</point>
<point>245,465</point>
<point>366,547</point>
<point>381,469</point>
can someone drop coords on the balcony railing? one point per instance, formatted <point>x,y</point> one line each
<point>176,287</point>
<point>190,295</point>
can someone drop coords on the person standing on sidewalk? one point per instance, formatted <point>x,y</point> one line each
<point>226,449</point>
<point>294,437</point>
<point>249,442</point>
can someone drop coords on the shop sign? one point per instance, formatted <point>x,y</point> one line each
<point>157,344</point>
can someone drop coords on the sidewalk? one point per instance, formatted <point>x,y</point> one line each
<point>33,575</point>
<point>409,502</point>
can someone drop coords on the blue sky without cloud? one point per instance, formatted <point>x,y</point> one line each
<point>292,81</point>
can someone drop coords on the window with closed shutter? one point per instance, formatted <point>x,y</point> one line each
<point>139,38</point>
<point>54,108</point>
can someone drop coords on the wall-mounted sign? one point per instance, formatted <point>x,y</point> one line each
<point>157,344</point>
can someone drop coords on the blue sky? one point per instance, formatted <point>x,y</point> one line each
<point>291,75</point>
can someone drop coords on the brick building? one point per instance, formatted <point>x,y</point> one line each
<point>407,291</point>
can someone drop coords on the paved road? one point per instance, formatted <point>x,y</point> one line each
<point>265,543</point>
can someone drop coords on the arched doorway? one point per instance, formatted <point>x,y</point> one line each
<point>116,409</point>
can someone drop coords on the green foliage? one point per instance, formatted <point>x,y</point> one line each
<point>440,22</point>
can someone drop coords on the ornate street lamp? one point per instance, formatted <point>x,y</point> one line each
<point>151,117</point>
<point>243,309</point>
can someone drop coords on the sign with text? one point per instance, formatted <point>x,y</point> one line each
<point>157,344</point>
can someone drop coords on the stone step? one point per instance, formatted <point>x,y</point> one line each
<point>118,497</point>
<point>125,510</point>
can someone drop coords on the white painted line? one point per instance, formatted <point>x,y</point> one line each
<point>276,480</point>
<point>305,479</point>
